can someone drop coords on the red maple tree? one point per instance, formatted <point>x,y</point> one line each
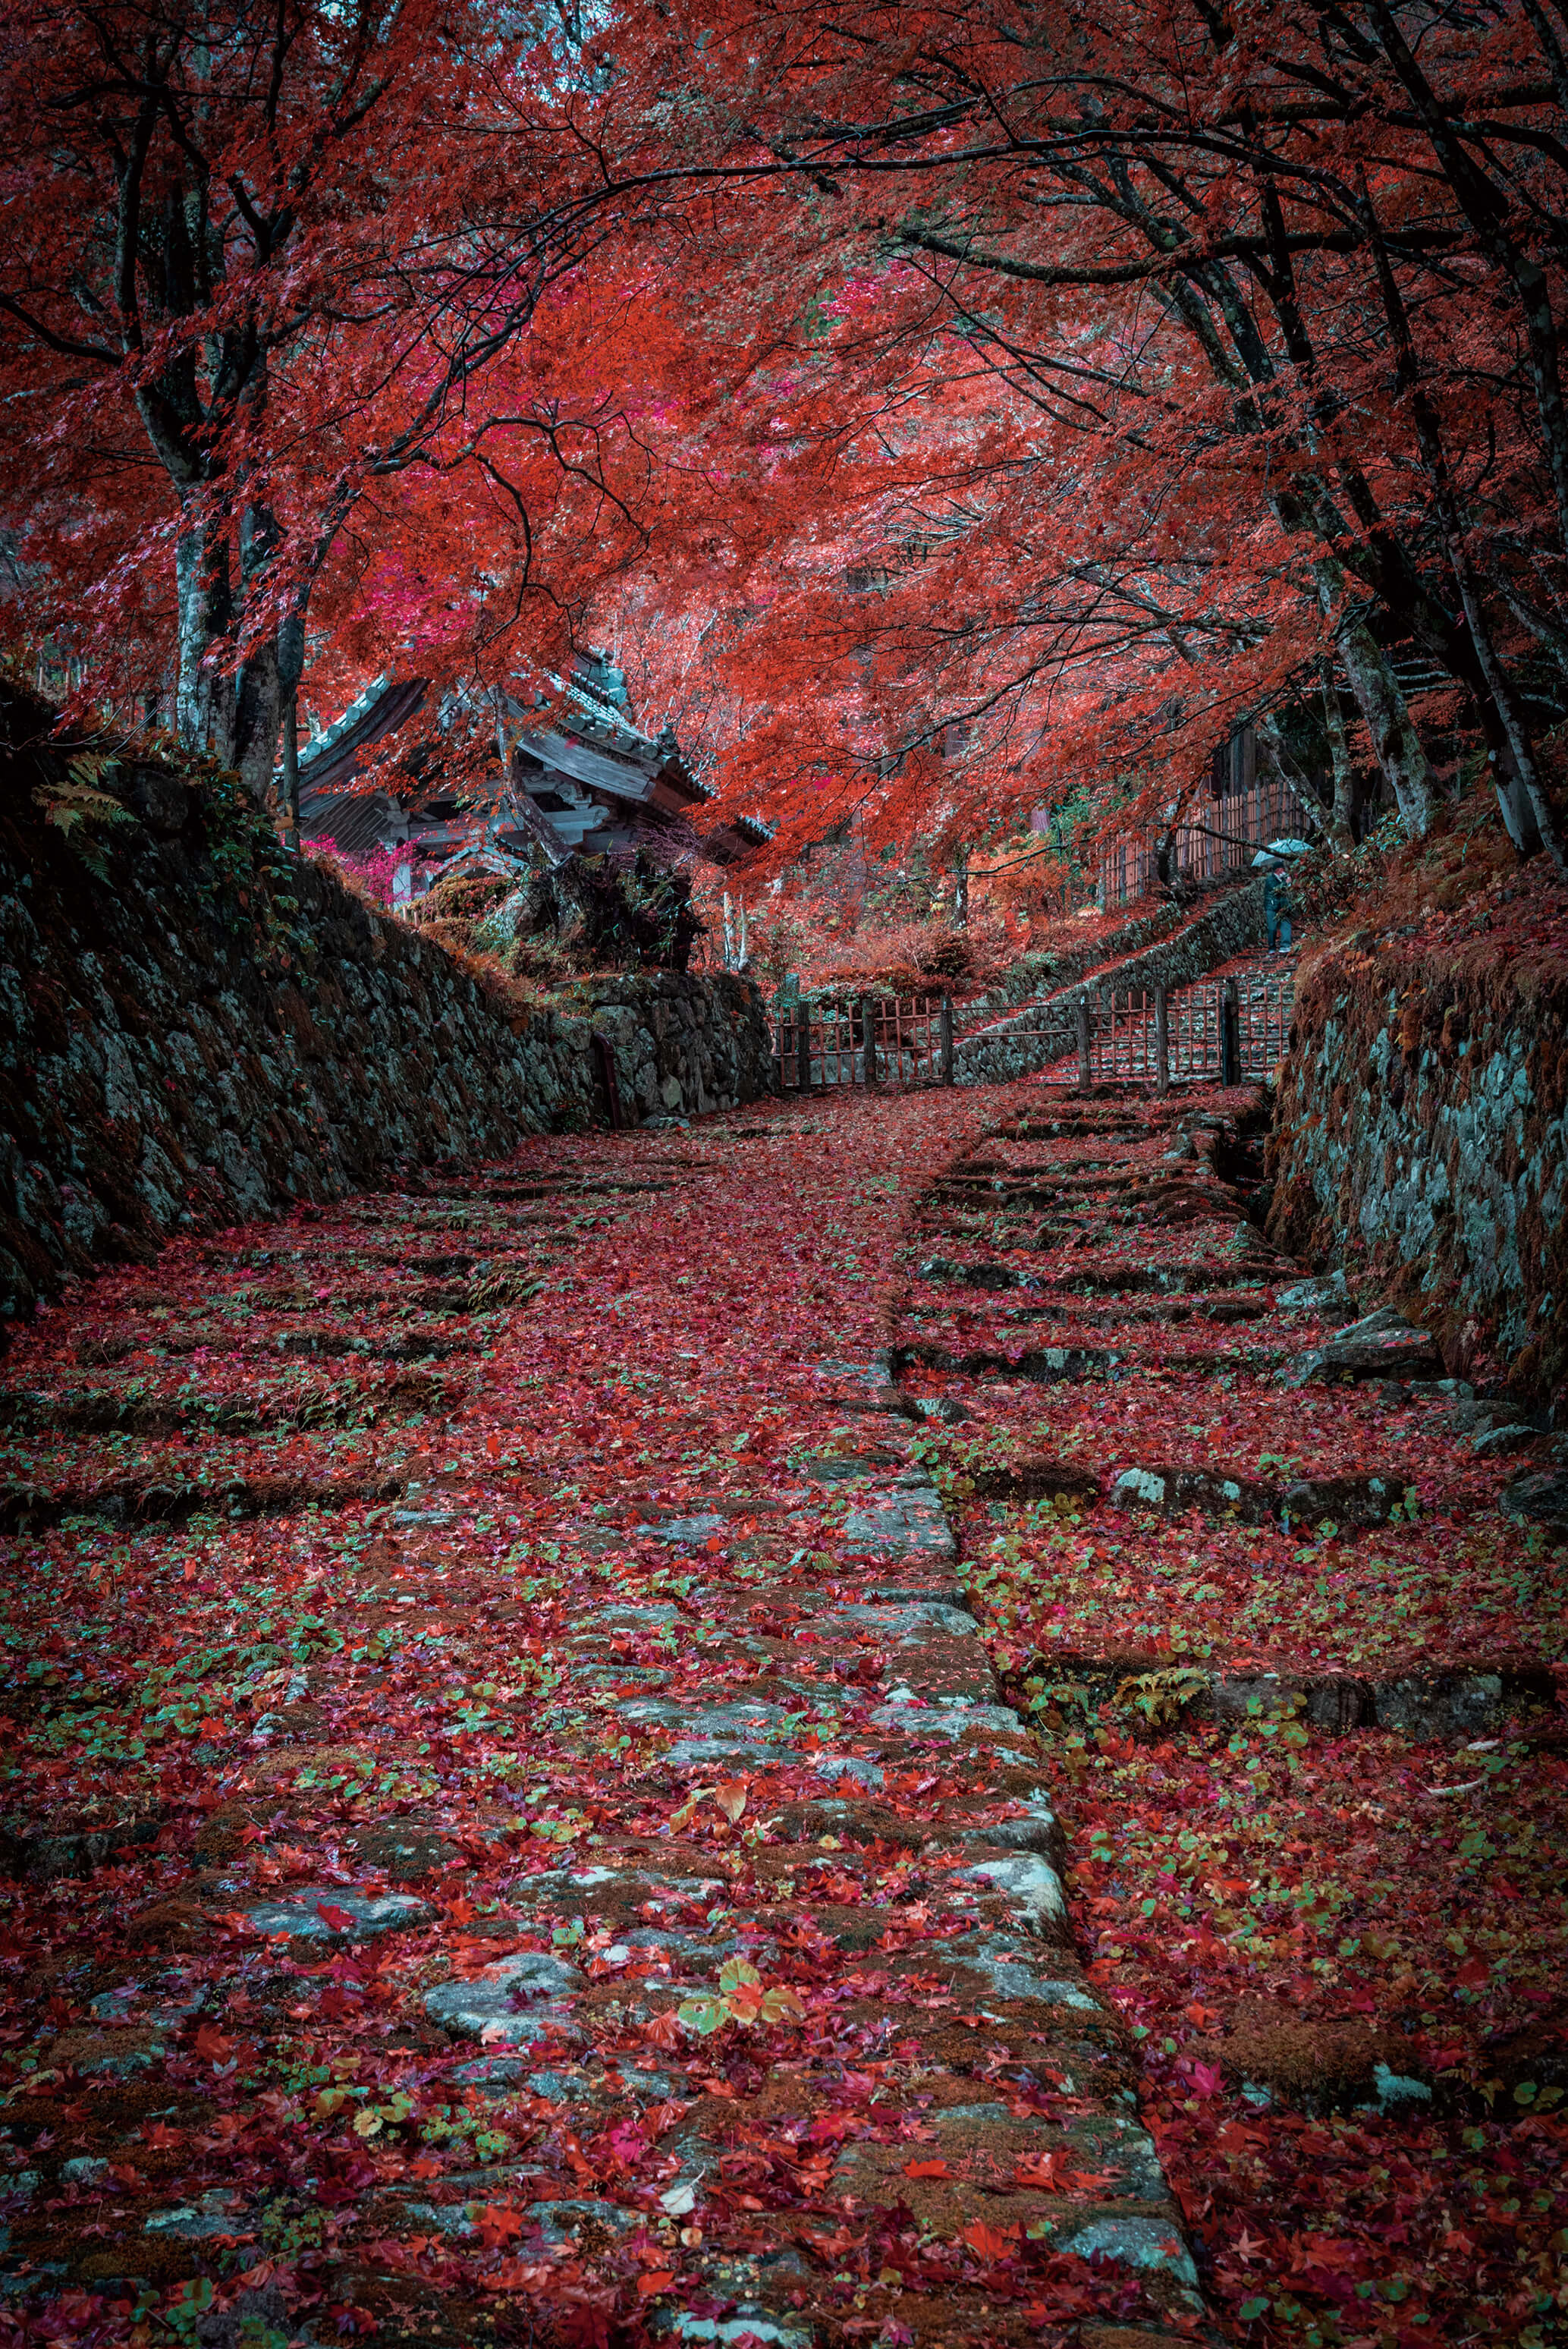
<point>1004,409</point>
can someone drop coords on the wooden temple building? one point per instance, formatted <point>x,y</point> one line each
<point>589,784</point>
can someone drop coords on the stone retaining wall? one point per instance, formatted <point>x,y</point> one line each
<point>1421,1134</point>
<point>1045,1031</point>
<point>1039,976</point>
<point>213,1030</point>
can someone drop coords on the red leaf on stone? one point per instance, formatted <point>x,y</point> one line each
<point>991,2243</point>
<point>1051,2170</point>
<point>496,2224</point>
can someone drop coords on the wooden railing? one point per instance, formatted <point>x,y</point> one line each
<point>1219,836</point>
<point>1222,1033</point>
<point>901,1039</point>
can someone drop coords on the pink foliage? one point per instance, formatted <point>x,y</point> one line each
<point>371,875</point>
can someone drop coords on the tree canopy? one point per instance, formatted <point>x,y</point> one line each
<point>946,409</point>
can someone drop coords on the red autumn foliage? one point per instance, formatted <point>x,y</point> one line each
<point>966,416</point>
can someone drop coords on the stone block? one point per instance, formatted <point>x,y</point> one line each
<point>1033,1891</point>
<point>1173,1490</point>
<point>331,1913</point>
<point>491,2006</point>
<point>1501,1443</point>
<point>1540,1499</point>
<point>1381,1347</point>
<point>1346,1500</point>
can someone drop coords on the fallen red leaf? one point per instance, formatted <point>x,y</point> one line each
<point>1051,2171</point>
<point>991,2243</point>
<point>496,2224</point>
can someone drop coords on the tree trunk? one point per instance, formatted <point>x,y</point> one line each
<point>204,694</point>
<point>1303,790</point>
<point>1394,738</point>
<point>1535,300</point>
<point>290,772</point>
<point>1518,756</point>
<point>1341,822</point>
<point>1394,741</point>
<point>291,669</point>
<point>269,675</point>
<point>1547,632</point>
<point>1513,803</point>
<point>258,716</point>
<point>1538,830</point>
<point>1517,750</point>
<point>1308,507</point>
<point>1489,211</point>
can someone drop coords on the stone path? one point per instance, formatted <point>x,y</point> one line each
<point>1287,1604</point>
<point>512,1824</point>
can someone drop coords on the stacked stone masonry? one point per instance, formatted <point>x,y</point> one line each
<point>1037,975</point>
<point>1046,1030</point>
<point>190,1039</point>
<point>1421,1135</point>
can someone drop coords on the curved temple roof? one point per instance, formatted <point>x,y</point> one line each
<point>599,784</point>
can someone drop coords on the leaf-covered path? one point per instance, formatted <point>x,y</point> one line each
<point>516,1828</point>
<point>1288,1607</point>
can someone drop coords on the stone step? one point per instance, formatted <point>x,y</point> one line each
<point>1468,1698</point>
<point>1129,1281</point>
<point>99,1410</point>
<point>774,1784</point>
<point>140,1501</point>
<point>1048,1365</point>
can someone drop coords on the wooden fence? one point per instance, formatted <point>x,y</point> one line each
<point>1217,837</point>
<point>1222,1033</point>
<point>901,1039</point>
<point>1219,1033</point>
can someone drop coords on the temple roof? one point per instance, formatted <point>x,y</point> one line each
<point>594,778</point>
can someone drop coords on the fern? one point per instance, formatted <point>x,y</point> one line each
<point>74,803</point>
<point>502,1288</point>
<point>1162,1697</point>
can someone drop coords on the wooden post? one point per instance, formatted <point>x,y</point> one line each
<point>803,1048</point>
<point>1230,1037</point>
<point>1083,1040</point>
<point>944,1047</point>
<point>1161,1040</point>
<point>868,1013</point>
